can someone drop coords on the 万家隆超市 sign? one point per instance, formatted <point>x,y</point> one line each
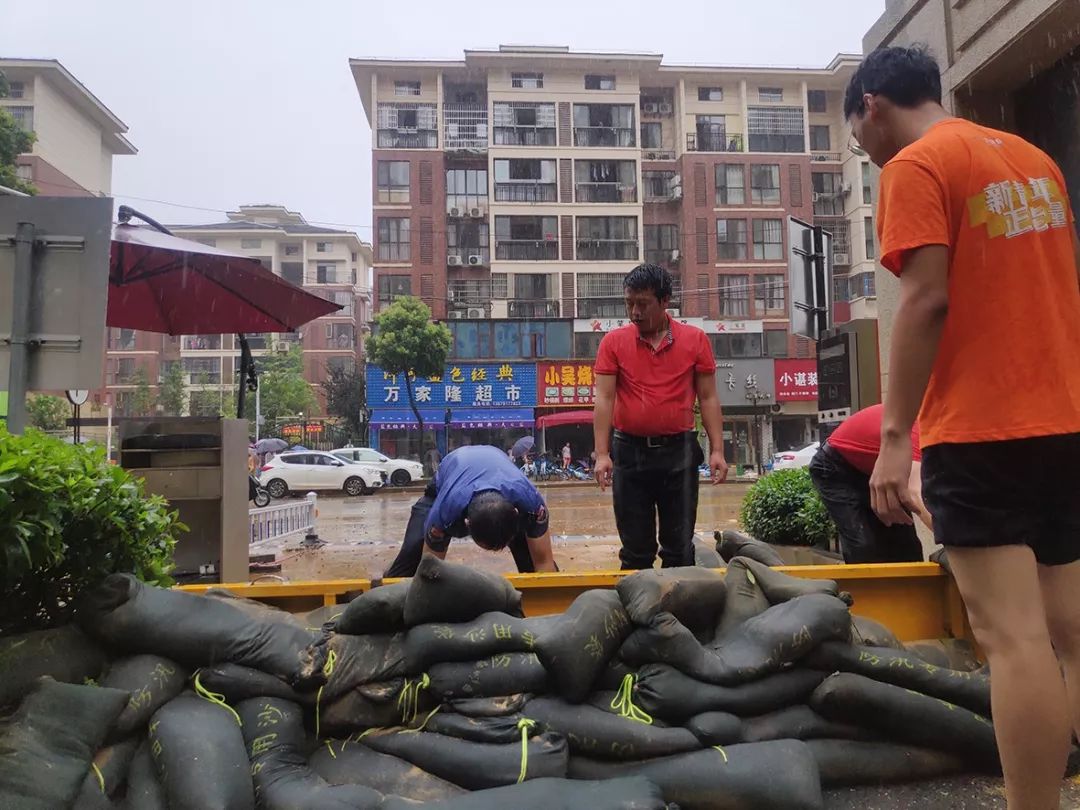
<point>462,385</point>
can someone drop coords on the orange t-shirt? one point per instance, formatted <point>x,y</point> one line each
<point>1008,365</point>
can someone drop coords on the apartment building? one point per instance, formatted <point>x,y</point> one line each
<point>77,135</point>
<point>331,263</point>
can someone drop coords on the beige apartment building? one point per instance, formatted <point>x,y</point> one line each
<point>77,135</point>
<point>331,263</point>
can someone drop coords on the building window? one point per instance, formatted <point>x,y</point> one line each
<point>207,241</point>
<point>393,181</point>
<point>352,276</point>
<point>828,199</point>
<point>770,94</point>
<point>16,90</point>
<point>604,125</point>
<point>820,138</point>
<point>768,239</point>
<point>519,123</point>
<point>605,181</point>
<point>353,255</point>
<point>599,82</point>
<point>607,238</point>
<point>291,250</point>
<point>403,88</point>
<point>251,244</point>
<point>652,135</point>
<point>391,287</point>
<point>769,294</point>
<point>730,184</point>
<point>324,247</point>
<point>765,184</point>
<point>776,343</point>
<point>867,185</point>
<point>868,228</point>
<point>731,239</point>
<point>862,286</point>
<point>499,286</point>
<point>527,81</point>
<point>840,289</point>
<point>293,272</point>
<point>329,274</point>
<point>24,117</point>
<point>393,239</point>
<point>466,189</point>
<point>526,238</point>
<point>710,94</point>
<point>340,336</point>
<point>816,101</point>
<point>776,129</point>
<point>661,244</point>
<point>601,295</point>
<point>735,346</point>
<point>734,296</point>
<point>525,180</point>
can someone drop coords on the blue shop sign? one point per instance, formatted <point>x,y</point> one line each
<point>462,385</point>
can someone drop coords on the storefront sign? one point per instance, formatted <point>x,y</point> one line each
<point>708,325</point>
<point>796,380</point>
<point>745,383</point>
<point>434,419</point>
<point>565,384</point>
<point>462,385</point>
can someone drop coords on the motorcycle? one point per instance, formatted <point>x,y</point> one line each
<point>257,493</point>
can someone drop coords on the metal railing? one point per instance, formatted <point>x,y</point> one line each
<point>526,249</point>
<point>524,136</point>
<point>283,520</point>
<point>607,249</point>
<point>658,154</point>
<point>662,256</point>
<point>465,126</point>
<point>397,139</point>
<point>604,136</point>
<point>713,142</point>
<point>605,192</point>
<point>533,309</point>
<point>201,343</point>
<point>526,192</point>
<point>832,157</point>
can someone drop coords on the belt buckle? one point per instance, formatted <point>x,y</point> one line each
<point>654,441</point>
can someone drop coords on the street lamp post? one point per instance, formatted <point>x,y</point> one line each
<point>303,430</point>
<point>756,397</point>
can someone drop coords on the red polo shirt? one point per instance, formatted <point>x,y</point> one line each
<point>858,439</point>
<point>654,388</point>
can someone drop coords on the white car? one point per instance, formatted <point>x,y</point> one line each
<point>313,470</point>
<point>399,471</point>
<point>795,459</point>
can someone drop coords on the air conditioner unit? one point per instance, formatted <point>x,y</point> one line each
<point>674,313</point>
<point>476,312</point>
<point>455,314</point>
<point>455,211</point>
<point>675,255</point>
<point>476,260</point>
<point>845,188</point>
<point>477,212</point>
<point>676,192</point>
<point>281,346</point>
<point>666,108</point>
<point>840,258</point>
<point>453,260</point>
<point>650,107</point>
<point>816,196</point>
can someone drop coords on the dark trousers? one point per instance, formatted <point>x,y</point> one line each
<point>651,484</point>
<point>412,548</point>
<point>845,491</point>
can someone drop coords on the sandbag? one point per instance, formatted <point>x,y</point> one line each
<point>901,715</point>
<point>341,762</point>
<point>577,648</point>
<point>152,681</point>
<point>666,640</point>
<point>744,598</point>
<point>665,692</point>
<point>500,675</point>
<point>716,728</point>
<point>65,654</point>
<point>111,765</point>
<point>629,793</point>
<point>846,763</point>
<point>451,593</point>
<point>144,791</point>
<point>611,677</point>
<point>201,759</point>
<point>706,556</point>
<point>499,730</point>
<point>253,607</point>
<point>798,722</point>
<point>189,629</point>
<point>346,661</point>
<point>780,587</point>
<point>236,683</point>
<point>474,765</point>
<point>694,596</point>
<point>592,732</point>
<point>901,668</point>
<point>273,732</point>
<point>327,614</point>
<point>498,706</point>
<point>380,610</point>
<point>731,544</point>
<point>948,653</point>
<point>486,635</point>
<point>866,632</point>
<point>356,711</point>
<point>780,775</point>
<point>47,745</point>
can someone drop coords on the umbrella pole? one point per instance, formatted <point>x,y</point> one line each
<point>249,380</point>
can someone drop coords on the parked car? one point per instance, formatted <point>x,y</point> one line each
<point>314,470</point>
<point>794,459</point>
<point>399,471</point>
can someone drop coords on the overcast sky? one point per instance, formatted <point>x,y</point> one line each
<point>234,101</point>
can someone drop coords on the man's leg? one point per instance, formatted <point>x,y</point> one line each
<point>676,472</point>
<point>412,547</point>
<point>846,495</point>
<point>1060,585</point>
<point>634,496</point>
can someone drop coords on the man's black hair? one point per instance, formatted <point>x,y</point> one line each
<point>906,76</point>
<point>492,520</point>
<point>651,277</point>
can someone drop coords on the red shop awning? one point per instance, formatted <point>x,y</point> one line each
<point>565,418</point>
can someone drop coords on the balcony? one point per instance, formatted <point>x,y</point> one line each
<point>605,193</point>
<point>826,157</point>
<point>519,308</point>
<point>658,154</point>
<point>600,250</point>
<point>661,186</point>
<point>122,343</point>
<point>407,139</point>
<point>525,191</point>
<point>526,250</point>
<point>524,136</point>
<point>201,343</point>
<point>407,126</point>
<point>713,142</point>
<point>468,256</point>
<point>604,136</point>
<point>202,378</point>
<point>465,127</point>
<point>662,256</point>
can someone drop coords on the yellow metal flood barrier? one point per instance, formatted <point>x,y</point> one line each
<point>914,600</point>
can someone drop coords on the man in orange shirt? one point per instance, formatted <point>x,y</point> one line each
<point>977,225</point>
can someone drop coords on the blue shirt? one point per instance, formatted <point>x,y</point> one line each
<point>481,468</point>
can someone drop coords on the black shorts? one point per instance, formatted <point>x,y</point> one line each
<point>1016,492</point>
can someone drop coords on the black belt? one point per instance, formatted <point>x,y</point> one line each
<point>655,441</point>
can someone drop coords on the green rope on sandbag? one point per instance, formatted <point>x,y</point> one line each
<point>328,669</point>
<point>420,727</point>
<point>214,697</point>
<point>526,725</point>
<point>98,774</point>
<point>330,748</point>
<point>409,699</point>
<point>624,702</point>
<point>723,753</point>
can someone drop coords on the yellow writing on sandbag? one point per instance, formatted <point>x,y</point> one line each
<point>869,658</point>
<point>443,631</point>
<point>528,639</point>
<point>260,745</point>
<point>140,698</point>
<point>500,661</point>
<point>594,647</point>
<point>502,631</point>
<point>161,674</point>
<point>270,715</point>
<point>901,662</point>
<point>614,622</point>
<point>476,634</point>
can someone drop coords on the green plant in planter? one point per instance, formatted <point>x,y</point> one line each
<point>68,518</point>
<point>784,508</point>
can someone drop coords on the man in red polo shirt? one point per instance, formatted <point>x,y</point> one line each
<point>841,471</point>
<point>648,375</point>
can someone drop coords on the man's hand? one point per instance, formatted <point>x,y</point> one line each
<point>717,466</point>
<point>603,469</point>
<point>890,491</point>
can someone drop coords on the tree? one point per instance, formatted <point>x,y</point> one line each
<point>172,394</point>
<point>346,396</point>
<point>14,141</point>
<point>283,391</point>
<point>142,402</point>
<point>406,342</point>
<point>47,412</point>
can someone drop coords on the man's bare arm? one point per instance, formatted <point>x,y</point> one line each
<point>603,408</point>
<point>713,419</point>
<point>542,556</point>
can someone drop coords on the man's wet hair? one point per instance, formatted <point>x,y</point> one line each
<point>907,77</point>
<point>650,277</point>
<point>492,520</point>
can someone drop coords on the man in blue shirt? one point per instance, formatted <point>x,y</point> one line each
<point>478,492</point>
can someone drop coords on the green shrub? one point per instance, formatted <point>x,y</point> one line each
<point>68,518</point>
<point>784,508</point>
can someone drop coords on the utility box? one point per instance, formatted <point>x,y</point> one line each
<point>849,372</point>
